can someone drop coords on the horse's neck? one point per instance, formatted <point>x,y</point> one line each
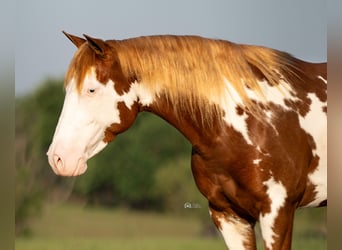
<point>182,123</point>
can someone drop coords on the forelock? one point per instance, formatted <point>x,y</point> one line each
<point>80,66</point>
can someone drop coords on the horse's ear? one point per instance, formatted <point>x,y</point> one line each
<point>98,45</point>
<point>78,41</point>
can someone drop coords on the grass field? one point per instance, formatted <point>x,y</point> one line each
<point>70,227</point>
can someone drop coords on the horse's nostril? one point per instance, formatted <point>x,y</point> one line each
<point>58,162</point>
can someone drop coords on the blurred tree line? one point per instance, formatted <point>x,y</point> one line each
<point>146,168</point>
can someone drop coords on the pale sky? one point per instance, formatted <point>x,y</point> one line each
<point>42,51</point>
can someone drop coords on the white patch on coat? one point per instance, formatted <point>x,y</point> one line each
<point>235,232</point>
<point>257,161</point>
<point>230,101</point>
<point>324,80</point>
<point>273,94</point>
<point>315,124</point>
<point>139,92</point>
<point>277,194</point>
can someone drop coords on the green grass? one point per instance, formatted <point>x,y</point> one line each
<point>119,243</point>
<point>73,227</point>
<point>64,227</point>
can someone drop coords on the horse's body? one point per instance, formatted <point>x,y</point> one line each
<point>256,118</point>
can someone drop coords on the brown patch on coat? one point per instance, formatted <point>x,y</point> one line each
<point>325,109</point>
<point>127,117</point>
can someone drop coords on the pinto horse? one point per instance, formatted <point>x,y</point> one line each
<point>256,119</point>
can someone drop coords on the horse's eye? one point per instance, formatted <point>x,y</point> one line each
<point>91,91</point>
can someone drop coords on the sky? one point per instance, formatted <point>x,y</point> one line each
<point>42,51</point>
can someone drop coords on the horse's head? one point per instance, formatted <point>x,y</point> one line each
<point>99,103</point>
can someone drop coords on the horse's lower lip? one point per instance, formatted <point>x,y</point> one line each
<point>78,171</point>
<point>81,167</point>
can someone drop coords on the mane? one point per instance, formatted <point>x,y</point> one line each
<point>192,72</point>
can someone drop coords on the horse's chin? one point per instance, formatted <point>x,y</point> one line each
<point>78,171</point>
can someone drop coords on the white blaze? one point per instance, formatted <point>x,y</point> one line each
<point>84,118</point>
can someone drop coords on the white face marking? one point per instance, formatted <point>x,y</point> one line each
<point>277,194</point>
<point>315,123</point>
<point>85,116</point>
<point>235,232</point>
<point>80,129</point>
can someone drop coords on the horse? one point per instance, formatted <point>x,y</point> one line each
<point>255,116</point>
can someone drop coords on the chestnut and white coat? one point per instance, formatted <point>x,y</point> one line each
<point>256,118</point>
